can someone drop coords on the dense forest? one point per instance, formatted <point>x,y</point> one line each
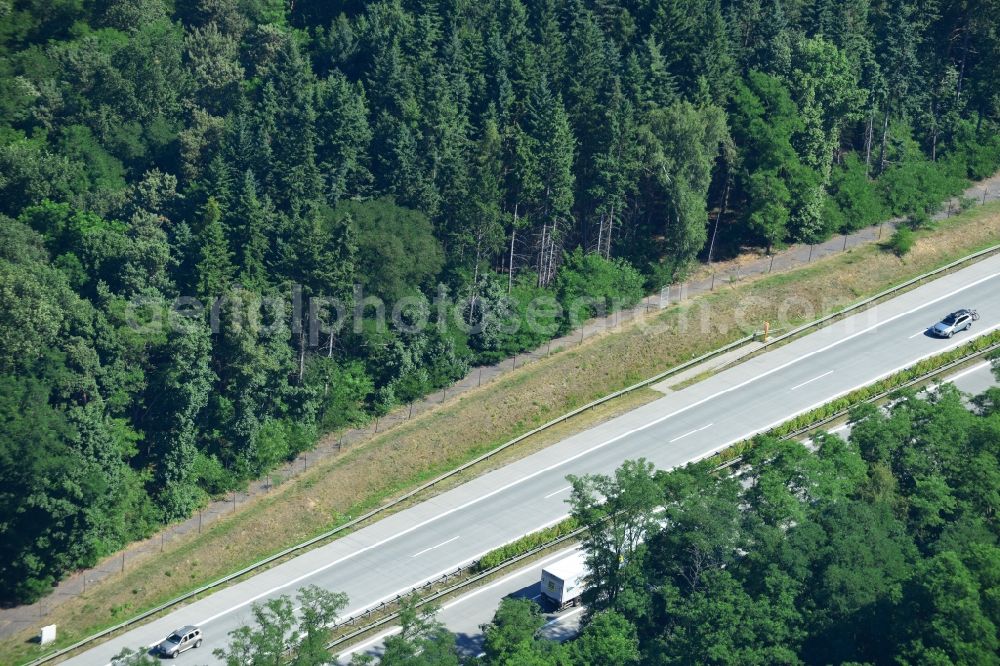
<point>172,172</point>
<point>881,549</point>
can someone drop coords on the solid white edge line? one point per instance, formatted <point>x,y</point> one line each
<point>475,592</point>
<point>969,371</point>
<point>611,441</point>
<point>465,597</point>
<point>565,616</point>
<point>810,381</point>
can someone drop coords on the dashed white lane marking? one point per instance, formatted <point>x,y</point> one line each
<point>616,438</point>
<point>560,491</point>
<point>464,598</point>
<point>810,381</point>
<point>427,550</point>
<point>691,432</point>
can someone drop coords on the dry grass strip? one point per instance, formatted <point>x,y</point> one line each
<point>381,467</point>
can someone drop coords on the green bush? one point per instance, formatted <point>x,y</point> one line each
<point>590,285</point>
<point>902,241</point>
<point>853,399</point>
<point>529,542</point>
<point>854,201</point>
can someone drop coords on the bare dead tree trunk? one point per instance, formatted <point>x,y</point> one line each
<point>475,276</point>
<point>965,53</point>
<point>510,265</point>
<point>611,224</point>
<point>550,268</point>
<point>600,236</point>
<point>718,218</point>
<point>885,138</point>
<point>541,257</point>
<point>302,353</point>
<point>869,134</point>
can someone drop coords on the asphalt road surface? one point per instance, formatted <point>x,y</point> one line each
<point>465,615</point>
<point>458,526</point>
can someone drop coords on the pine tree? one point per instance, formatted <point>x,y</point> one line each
<point>552,202</point>
<point>215,267</point>
<point>297,176</point>
<point>616,168</point>
<point>479,234</point>
<point>343,137</point>
<point>586,98</point>
<point>250,220</point>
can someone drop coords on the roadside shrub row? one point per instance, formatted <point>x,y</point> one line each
<point>854,398</point>
<point>525,544</point>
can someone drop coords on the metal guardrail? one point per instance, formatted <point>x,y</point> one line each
<point>882,294</point>
<point>493,452</point>
<point>881,395</point>
<point>386,619</point>
<point>372,626</point>
<point>930,374</point>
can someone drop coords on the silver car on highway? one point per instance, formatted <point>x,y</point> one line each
<point>959,320</point>
<point>181,640</point>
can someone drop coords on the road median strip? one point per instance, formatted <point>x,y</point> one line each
<point>505,557</point>
<point>399,500</point>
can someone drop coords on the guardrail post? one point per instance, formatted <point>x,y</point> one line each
<point>350,522</point>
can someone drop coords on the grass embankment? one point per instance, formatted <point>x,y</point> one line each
<point>383,466</point>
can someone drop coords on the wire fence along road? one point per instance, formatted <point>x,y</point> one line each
<point>14,620</point>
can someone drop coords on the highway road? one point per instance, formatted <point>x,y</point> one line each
<point>458,526</point>
<point>464,615</point>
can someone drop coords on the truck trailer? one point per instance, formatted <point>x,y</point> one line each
<point>563,580</point>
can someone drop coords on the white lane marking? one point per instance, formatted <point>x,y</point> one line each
<point>968,371</point>
<point>920,332</point>
<point>721,447</point>
<point>450,569</point>
<point>575,611</point>
<point>798,386</point>
<point>675,439</point>
<point>462,599</point>
<point>561,490</point>
<point>614,439</point>
<point>427,550</point>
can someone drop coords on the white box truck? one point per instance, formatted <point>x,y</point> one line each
<point>563,580</point>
